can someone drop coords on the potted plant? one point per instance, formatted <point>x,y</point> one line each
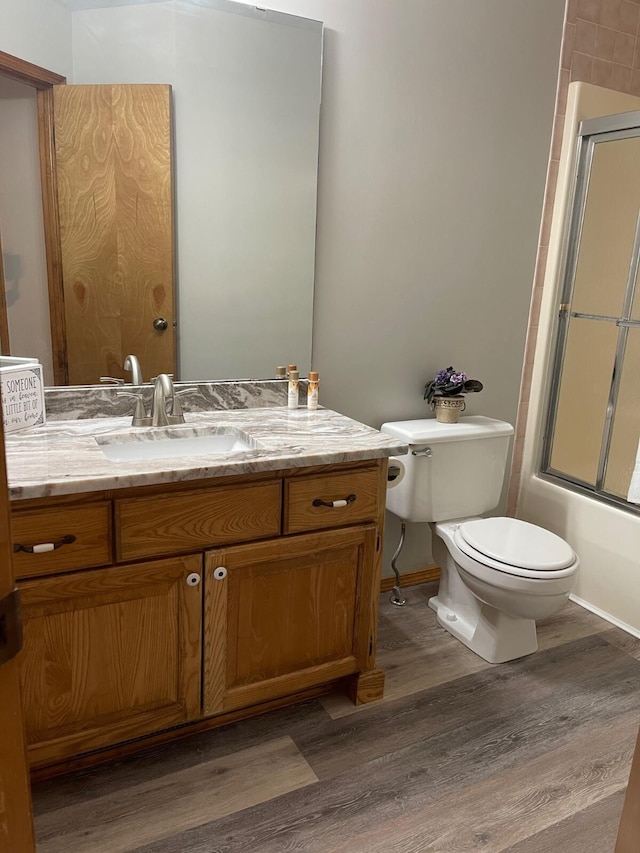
<point>444,393</point>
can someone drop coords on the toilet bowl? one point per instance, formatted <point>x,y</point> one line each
<point>497,574</point>
<point>489,598</point>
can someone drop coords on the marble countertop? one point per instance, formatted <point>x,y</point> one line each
<point>65,457</point>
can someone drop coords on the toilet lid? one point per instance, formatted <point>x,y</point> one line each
<point>517,543</point>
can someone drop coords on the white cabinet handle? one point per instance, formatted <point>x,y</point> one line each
<point>193,579</point>
<point>44,547</point>
<point>220,573</point>
<point>335,504</point>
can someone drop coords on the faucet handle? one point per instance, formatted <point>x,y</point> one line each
<point>111,380</point>
<point>139,413</point>
<point>176,409</point>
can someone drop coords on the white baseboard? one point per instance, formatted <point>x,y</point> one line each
<point>607,616</point>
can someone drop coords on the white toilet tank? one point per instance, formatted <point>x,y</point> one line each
<point>452,470</point>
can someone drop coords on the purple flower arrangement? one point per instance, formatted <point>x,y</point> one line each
<point>450,382</point>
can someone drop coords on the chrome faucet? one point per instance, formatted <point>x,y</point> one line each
<point>162,394</point>
<point>132,363</point>
<point>164,397</point>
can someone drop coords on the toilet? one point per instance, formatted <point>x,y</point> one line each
<point>497,575</point>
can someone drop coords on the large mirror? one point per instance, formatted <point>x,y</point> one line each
<point>245,115</point>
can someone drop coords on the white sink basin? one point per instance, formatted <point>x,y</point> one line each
<point>152,445</point>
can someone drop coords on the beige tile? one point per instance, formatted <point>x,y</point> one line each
<point>621,78</point>
<point>556,139</point>
<point>629,15</point>
<point>541,269</point>
<point>605,43</point>
<point>636,54</point>
<point>602,73</point>
<point>518,450</point>
<point>568,41</point>
<point>635,82</point>
<point>536,302</point>
<point>563,91</point>
<point>589,10</point>
<point>549,197</point>
<point>625,46</point>
<point>571,10</point>
<point>581,67</point>
<point>176,802</point>
<point>523,411</point>
<point>545,231</point>
<point>520,426</point>
<point>525,385</point>
<point>584,39</point>
<point>530,348</point>
<point>514,491</point>
<point>609,13</point>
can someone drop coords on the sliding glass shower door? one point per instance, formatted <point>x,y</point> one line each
<point>593,423</point>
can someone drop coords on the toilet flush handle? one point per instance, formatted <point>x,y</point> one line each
<point>424,451</point>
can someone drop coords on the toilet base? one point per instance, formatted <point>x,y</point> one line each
<point>495,636</point>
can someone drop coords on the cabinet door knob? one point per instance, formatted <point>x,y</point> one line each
<point>160,324</point>
<point>220,573</point>
<point>193,579</point>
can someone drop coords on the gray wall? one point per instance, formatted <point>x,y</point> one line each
<point>435,129</point>
<point>38,31</point>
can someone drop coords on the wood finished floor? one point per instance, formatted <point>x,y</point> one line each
<point>531,756</point>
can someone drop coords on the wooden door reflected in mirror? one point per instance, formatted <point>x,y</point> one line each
<point>115,202</point>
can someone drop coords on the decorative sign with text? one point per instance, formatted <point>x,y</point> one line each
<point>22,397</point>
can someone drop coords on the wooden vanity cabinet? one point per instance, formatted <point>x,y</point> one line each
<point>215,597</point>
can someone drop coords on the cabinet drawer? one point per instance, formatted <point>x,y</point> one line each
<point>303,510</point>
<point>171,524</point>
<point>90,525</point>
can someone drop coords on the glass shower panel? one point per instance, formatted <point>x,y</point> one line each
<point>583,397</point>
<point>626,421</point>
<point>608,228</point>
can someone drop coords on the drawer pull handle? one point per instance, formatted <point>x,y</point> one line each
<point>335,504</point>
<point>44,547</point>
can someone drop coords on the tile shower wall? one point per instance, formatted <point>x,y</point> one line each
<point>600,45</point>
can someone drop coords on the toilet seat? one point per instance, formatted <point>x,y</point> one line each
<point>516,547</point>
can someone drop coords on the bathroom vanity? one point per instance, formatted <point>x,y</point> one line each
<point>183,591</point>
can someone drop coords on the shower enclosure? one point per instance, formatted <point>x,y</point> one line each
<point>593,417</point>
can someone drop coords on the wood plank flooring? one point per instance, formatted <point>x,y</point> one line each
<point>531,756</point>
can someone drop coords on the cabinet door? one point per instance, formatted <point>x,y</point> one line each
<point>286,614</point>
<point>110,654</point>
